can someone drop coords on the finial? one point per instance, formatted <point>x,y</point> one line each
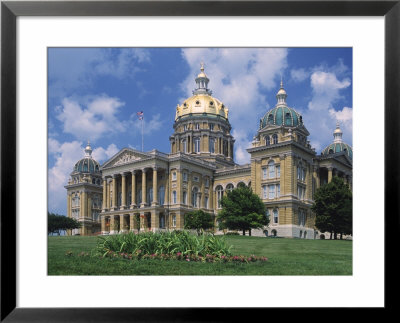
<point>202,66</point>
<point>337,124</point>
<point>281,82</point>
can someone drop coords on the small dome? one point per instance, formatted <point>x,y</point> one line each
<point>338,144</point>
<point>87,164</point>
<point>338,147</point>
<point>282,116</point>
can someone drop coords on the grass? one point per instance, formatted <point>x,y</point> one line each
<point>285,257</point>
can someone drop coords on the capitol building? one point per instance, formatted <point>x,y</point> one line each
<point>152,191</point>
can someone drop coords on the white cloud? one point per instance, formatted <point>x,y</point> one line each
<point>100,154</point>
<point>239,77</point>
<point>65,155</point>
<point>299,75</point>
<point>149,126</point>
<point>90,122</point>
<point>321,116</point>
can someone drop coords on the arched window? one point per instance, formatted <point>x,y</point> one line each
<point>275,138</point>
<point>220,192</point>
<point>196,142</point>
<point>241,184</point>
<point>267,140</point>
<point>93,181</point>
<point>197,126</point>
<point>271,169</point>
<point>288,119</point>
<point>270,119</point>
<point>330,151</point>
<point>273,232</point>
<point>161,195</point>
<point>174,220</point>
<point>229,187</point>
<point>301,233</point>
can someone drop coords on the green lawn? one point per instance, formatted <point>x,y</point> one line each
<point>285,257</point>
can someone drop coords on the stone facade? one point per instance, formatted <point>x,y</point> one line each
<point>152,191</point>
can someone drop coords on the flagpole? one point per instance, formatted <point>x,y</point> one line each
<point>142,134</point>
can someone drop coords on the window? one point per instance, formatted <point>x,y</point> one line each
<point>207,182</point>
<point>271,189</point>
<point>206,202</point>
<point>119,198</point>
<point>265,192</point>
<point>299,171</point>
<point>75,200</point>
<point>302,218</point>
<point>129,198</point>
<point>139,196</point>
<point>161,195</point>
<point>271,169</point>
<point>288,119</point>
<point>229,187</point>
<point>278,190</point>
<point>211,143</point>
<point>301,192</point>
<point>174,220</point>
<point>196,144</point>
<point>264,170</point>
<point>270,119</point>
<point>195,179</point>
<point>275,138</point>
<point>267,141</point>
<point>194,196</point>
<point>197,126</point>
<point>173,197</point>
<point>149,195</point>
<point>184,197</point>
<point>184,127</point>
<point>211,126</point>
<point>184,146</point>
<point>185,176</point>
<point>220,192</point>
<point>276,217</point>
<point>174,176</point>
<point>162,221</point>
<point>303,174</point>
<point>267,214</point>
<point>278,171</point>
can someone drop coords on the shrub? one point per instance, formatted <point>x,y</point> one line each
<point>232,233</point>
<point>167,243</point>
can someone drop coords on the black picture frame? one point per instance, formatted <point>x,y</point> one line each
<point>10,10</point>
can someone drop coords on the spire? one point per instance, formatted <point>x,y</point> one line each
<point>202,82</point>
<point>88,150</point>
<point>337,134</point>
<point>281,95</point>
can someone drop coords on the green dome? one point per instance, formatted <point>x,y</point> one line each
<point>281,116</point>
<point>87,165</point>
<point>338,147</point>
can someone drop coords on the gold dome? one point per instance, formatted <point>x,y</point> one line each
<point>200,104</point>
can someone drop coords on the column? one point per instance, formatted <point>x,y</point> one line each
<point>201,206</point>
<point>104,194</point>
<point>229,148</point>
<point>189,189</point>
<point>123,199</point>
<point>103,224</point>
<point>330,169</point>
<point>133,202</point>
<point>122,224</point>
<point>112,225</point>
<point>144,202</point>
<point>132,222</point>
<point>108,196</point>
<point>154,221</point>
<point>84,205</point>
<point>167,185</point>
<point>282,181</point>
<point>114,192</point>
<point>89,206</point>
<point>69,205</point>
<point>155,186</point>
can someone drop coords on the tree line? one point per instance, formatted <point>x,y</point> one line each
<point>57,223</point>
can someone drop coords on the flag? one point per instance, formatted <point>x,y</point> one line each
<point>140,115</point>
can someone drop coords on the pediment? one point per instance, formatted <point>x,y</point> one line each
<point>125,156</point>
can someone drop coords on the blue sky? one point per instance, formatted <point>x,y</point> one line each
<point>94,94</point>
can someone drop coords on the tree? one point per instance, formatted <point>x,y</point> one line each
<point>198,220</point>
<point>56,223</point>
<point>242,210</point>
<point>333,208</point>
